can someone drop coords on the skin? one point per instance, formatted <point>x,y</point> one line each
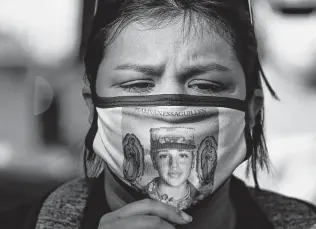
<point>141,61</point>
<point>174,167</point>
<point>144,62</point>
<point>139,215</point>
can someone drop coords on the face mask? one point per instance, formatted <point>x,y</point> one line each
<point>176,149</point>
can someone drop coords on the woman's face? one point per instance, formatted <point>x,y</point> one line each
<point>145,61</point>
<point>174,166</point>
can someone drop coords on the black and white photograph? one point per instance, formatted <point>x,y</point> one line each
<point>157,114</point>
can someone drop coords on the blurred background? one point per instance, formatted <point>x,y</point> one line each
<point>50,36</point>
<point>286,33</point>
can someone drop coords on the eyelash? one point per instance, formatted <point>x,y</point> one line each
<point>138,86</point>
<point>147,86</point>
<point>208,87</point>
<point>164,156</point>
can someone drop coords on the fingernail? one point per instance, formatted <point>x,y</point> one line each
<point>185,216</point>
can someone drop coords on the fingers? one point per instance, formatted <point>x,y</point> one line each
<point>137,222</point>
<point>152,207</point>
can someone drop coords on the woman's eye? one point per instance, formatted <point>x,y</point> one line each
<point>184,156</point>
<point>163,156</point>
<point>139,86</point>
<point>206,86</point>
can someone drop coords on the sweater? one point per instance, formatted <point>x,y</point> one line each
<point>76,205</point>
<point>79,205</point>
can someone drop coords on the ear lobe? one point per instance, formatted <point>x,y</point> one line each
<point>255,106</point>
<point>86,93</point>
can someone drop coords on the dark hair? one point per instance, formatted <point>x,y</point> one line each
<point>229,18</point>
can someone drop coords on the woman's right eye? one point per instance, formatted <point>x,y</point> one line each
<point>138,86</point>
<point>163,156</point>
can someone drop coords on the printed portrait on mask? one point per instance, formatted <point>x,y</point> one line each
<point>168,153</point>
<point>173,155</point>
<point>133,165</point>
<point>207,160</point>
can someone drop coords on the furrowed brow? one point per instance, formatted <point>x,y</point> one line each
<point>145,69</point>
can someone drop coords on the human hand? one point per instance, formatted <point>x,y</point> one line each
<point>144,214</point>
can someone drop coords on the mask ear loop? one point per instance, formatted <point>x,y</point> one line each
<point>90,157</point>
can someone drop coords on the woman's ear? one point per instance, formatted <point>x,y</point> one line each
<point>255,105</point>
<point>86,93</point>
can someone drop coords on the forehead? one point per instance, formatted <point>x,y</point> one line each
<point>176,41</point>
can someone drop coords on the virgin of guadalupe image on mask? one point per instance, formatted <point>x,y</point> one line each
<point>207,160</point>
<point>133,165</point>
<point>173,155</point>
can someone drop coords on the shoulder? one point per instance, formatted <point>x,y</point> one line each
<point>56,204</point>
<point>64,207</point>
<point>284,211</point>
<point>74,189</point>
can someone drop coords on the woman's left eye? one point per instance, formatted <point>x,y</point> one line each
<point>206,86</point>
<point>183,156</point>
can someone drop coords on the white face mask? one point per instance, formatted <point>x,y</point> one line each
<point>176,149</point>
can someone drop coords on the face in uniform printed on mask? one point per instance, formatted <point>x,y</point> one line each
<point>171,112</point>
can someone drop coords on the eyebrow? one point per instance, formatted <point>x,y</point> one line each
<point>203,68</point>
<point>146,69</point>
<point>154,70</point>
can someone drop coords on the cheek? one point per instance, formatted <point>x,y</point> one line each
<point>162,164</point>
<point>186,163</point>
